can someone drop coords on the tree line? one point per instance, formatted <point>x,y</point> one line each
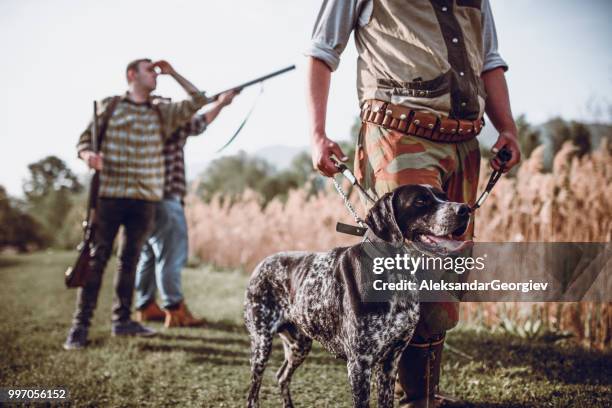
<point>53,204</point>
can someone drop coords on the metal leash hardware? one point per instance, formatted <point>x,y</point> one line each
<point>346,228</point>
<point>346,172</point>
<point>504,156</point>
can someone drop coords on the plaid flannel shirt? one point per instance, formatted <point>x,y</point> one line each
<point>175,184</point>
<point>133,145</point>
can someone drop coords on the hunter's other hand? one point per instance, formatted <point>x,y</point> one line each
<point>93,160</point>
<point>164,67</point>
<point>509,141</point>
<point>322,150</point>
<point>227,97</point>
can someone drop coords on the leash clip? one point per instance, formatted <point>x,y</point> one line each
<point>350,229</point>
<point>348,174</point>
<point>504,156</point>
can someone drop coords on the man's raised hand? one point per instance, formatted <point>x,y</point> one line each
<point>164,67</point>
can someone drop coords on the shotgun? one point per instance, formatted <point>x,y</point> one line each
<point>241,87</point>
<point>253,82</point>
<point>78,274</point>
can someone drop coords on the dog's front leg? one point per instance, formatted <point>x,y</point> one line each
<point>360,372</point>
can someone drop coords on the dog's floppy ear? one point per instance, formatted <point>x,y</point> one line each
<point>382,221</point>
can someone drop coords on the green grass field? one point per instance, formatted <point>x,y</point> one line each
<point>209,366</point>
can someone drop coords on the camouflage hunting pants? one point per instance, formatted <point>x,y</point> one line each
<point>386,159</point>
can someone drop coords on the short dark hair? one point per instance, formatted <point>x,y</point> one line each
<point>133,66</point>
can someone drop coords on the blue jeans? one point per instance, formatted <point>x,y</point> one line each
<point>163,256</point>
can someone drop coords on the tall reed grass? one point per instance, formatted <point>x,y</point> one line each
<point>570,204</point>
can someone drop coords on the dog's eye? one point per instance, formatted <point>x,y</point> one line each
<point>421,201</point>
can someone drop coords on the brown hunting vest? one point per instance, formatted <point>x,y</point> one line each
<point>423,54</point>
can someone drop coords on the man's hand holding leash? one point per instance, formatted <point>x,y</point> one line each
<point>507,141</point>
<point>322,152</point>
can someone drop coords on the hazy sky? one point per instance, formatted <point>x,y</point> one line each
<point>57,56</point>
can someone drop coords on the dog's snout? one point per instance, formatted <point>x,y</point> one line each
<point>463,210</point>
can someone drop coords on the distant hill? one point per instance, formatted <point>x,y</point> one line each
<point>280,156</point>
<point>599,132</point>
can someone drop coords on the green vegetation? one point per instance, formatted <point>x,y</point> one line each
<point>209,366</point>
<point>50,214</point>
<point>230,176</point>
<point>53,207</point>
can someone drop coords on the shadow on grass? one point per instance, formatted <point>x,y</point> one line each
<point>223,356</point>
<point>275,361</point>
<point>97,342</point>
<point>192,349</point>
<point>219,361</point>
<point>173,337</point>
<point>7,262</point>
<point>566,365</point>
<point>201,354</point>
<point>242,341</point>
<point>227,326</point>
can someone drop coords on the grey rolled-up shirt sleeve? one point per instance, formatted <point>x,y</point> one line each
<point>332,30</point>
<point>492,58</point>
<point>338,18</point>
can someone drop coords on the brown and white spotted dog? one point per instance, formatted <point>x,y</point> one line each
<point>303,296</point>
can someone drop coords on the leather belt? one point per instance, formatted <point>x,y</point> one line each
<point>421,124</point>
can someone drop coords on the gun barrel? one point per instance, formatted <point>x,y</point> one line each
<point>94,128</point>
<point>254,81</point>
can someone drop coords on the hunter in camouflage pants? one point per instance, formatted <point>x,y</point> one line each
<point>386,159</point>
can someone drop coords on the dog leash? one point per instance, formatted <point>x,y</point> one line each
<point>346,172</point>
<point>504,156</point>
<point>346,228</point>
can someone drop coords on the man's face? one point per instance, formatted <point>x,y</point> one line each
<point>145,76</point>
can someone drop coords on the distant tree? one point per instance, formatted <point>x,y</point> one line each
<point>5,217</point>
<point>558,132</point>
<point>300,174</point>
<point>528,137</point>
<point>17,228</point>
<point>47,175</point>
<point>49,191</point>
<point>229,176</point>
<point>581,138</point>
<point>301,168</point>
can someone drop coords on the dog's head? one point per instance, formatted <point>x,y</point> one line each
<point>421,214</point>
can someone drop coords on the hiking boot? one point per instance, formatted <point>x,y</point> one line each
<point>181,317</point>
<point>77,338</point>
<point>150,313</point>
<point>419,374</point>
<point>131,328</point>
